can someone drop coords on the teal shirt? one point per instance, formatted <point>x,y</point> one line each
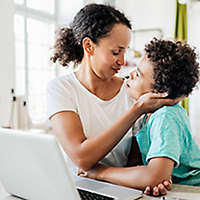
<point>167,133</point>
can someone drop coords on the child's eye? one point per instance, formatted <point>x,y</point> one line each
<point>136,74</point>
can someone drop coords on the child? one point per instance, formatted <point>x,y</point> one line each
<point>165,139</point>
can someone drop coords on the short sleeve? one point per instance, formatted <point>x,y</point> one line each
<point>59,97</point>
<point>165,138</point>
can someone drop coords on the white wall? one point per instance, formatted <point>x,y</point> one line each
<point>110,2</point>
<point>194,39</point>
<point>150,14</point>
<point>7,70</point>
<point>67,9</point>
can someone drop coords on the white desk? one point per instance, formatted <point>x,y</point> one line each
<point>179,191</point>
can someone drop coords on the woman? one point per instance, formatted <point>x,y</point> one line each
<point>89,110</point>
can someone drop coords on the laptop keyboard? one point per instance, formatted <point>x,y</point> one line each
<point>86,195</point>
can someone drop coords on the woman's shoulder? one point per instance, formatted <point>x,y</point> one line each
<point>62,84</point>
<point>62,80</point>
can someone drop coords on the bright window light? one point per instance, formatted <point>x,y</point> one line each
<point>40,70</point>
<point>19,2</point>
<point>34,37</point>
<point>19,54</point>
<point>47,6</point>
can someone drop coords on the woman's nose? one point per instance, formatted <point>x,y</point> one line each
<point>120,60</point>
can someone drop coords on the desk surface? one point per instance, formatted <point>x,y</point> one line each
<point>179,192</point>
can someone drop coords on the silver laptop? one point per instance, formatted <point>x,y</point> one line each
<point>32,167</point>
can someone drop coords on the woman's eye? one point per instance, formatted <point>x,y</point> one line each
<point>115,53</point>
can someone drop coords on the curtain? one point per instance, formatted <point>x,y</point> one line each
<point>181,34</point>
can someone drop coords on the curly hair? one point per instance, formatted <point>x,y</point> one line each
<point>176,69</point>
<point>94,21</point>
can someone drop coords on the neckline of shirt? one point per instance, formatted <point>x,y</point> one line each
<point>85,90</point>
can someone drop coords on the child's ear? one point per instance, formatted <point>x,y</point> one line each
<point>88,46</point>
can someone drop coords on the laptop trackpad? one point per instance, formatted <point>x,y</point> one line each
<point>89,184</point>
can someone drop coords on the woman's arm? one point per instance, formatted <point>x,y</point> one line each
<point>157,171</point>
<point>86,152</point>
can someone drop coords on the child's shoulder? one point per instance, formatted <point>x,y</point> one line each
<point>170,111</point>
<point>170,116</point>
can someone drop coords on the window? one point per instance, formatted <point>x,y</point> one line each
<point>34,35</point>
<point>42,5</point>
<point>19,2</point>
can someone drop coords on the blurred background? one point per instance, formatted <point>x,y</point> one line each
<point>27,35</point>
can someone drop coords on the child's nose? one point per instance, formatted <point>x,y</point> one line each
<point>132,75</point>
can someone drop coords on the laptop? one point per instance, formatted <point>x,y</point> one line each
<point>32,166</point>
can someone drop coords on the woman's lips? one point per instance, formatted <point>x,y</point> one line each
<point>116,69</point>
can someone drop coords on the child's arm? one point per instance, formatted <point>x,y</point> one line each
<point>158,170</point>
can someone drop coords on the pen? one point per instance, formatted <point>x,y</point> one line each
<point>171,198</point>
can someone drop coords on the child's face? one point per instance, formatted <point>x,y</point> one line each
<point>141,79</point>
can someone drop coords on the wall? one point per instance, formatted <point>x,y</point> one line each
<point>194,39</point>
<point>7,70</point>
<point>110,2</point>
<point>150,14</point>
<point>66,12</point>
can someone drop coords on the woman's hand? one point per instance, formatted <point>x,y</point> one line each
<point>94,173</point>
<point>150,102</point>
<point>98,173</point>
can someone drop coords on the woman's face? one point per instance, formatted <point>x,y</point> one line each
<point>141,79</point>
<point>108,54</point>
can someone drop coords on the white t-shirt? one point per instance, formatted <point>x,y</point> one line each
<point>66,93</point>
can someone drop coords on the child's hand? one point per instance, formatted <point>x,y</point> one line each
<point>161,189</point>
<point>98,173</point>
